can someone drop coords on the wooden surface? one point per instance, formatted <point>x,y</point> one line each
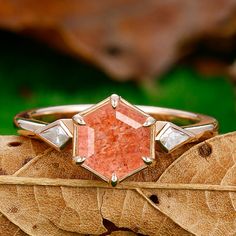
<point>188,192</point>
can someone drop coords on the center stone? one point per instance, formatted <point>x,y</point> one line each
<point>113,140</point>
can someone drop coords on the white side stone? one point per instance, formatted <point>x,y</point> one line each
<point>172,138</point>
<point>56,135</point>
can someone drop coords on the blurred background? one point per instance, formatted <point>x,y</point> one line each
<point>178,54</point>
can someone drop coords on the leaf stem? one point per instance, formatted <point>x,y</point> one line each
<point>13,180</point>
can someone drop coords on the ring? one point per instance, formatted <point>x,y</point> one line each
<point>115,139</point>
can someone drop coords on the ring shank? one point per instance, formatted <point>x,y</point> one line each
<point>196,123</point>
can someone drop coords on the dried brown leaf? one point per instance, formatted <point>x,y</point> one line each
<point>53,164</point>
<point>122,233</point>
<point>128,39</point>
<point>59,165</point>
<point>52,210</point>
<point>126,208</point>
<point>202,212</point>
<point>67,210</point>
<point>7,228</point>
<point>16,151</point>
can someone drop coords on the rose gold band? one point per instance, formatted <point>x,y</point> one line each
<point>115,139</point>
<point>196,123</point>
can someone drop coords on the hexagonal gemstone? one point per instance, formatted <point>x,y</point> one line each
<point>113,140</point>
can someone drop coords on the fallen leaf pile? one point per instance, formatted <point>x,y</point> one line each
<point>127,39</point>
<point>43,193</point>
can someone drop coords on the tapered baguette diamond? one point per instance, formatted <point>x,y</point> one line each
<point>56,134</point>
<point>172,137</point>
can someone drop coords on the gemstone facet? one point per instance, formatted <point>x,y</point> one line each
<point>56,133</point>
<point>114,140</point>
<point>172,136</point>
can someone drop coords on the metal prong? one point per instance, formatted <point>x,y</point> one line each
<point>114,100</point>
<point>78,119</point>
<point>114,180</point>
<point>79,160</point>
<point>149,121</point>
<point>147,160</point>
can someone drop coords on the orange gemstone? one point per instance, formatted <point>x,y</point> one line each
<point>113,140</point>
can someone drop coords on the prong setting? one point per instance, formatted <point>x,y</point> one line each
<point>147,160</point>
<point>78,119</point>
<point>114,100</point>
<point>114,179</point>
<point>79,160</point>
<point>113,113</point>
<point>149,121</point>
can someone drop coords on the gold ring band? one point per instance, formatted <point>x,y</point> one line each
<point>115,139</point>
<point>194,122</point>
